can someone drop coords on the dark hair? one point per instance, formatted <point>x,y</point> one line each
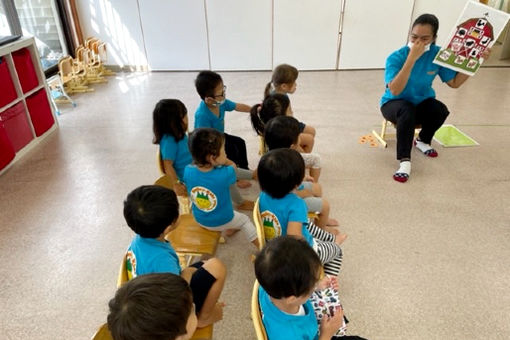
<point>150,209</point>
<point>428,19</point>
<point>281,132</point>
<point>282,74</point>
<point>280,171</point>
<point>204,142</point>
<point>287,266</point>
<point>275,104</point>
<point>206,82</point>
<point>167,119</point>
<point>153,306</point>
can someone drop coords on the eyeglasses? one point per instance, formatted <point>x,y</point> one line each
<point>222,94</point>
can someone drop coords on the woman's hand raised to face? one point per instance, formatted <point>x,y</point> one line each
<point>417,49</point>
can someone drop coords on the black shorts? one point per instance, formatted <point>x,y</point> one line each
<point>201,283</point>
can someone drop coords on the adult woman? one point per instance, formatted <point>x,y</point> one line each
<point>409,99</point>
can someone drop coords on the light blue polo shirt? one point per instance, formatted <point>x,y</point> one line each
<point>205,118</point>
<point>276,213</point>
<point>282,326</point>
<point>149,255</point>
<point>210,193</point>
<point>177,152</point>
<point>419,85</point>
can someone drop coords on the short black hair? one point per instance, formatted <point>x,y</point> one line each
<point>206,82</point>
<point>287,266</point>
<point>275,104</point>
<point>153,306</point>
<point>167,119</point>
<point>204,142</point>
<point>280,171</point>
<point>150,209</point>
<point>428,19</point>
<point>281,132</point>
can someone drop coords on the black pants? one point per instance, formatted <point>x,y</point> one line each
<point>430,114</point>
<point>235,148</point>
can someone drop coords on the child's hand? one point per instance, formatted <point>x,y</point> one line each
<point>326,282</point>
<point>329,325</point>
<point>180,189</point>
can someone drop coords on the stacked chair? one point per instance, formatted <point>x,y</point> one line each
<point>87,68</point>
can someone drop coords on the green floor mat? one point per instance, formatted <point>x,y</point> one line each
<point>449,136</point>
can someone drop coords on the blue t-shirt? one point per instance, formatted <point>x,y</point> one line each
<point>177,152</point>
<point>205,118</point>
<point>419,85</point>
<point>276,213</point>
<point>148,255</point>
<point>210,193</point>
<point>282,326</point>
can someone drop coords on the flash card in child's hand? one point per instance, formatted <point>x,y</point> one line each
<point>326,301</point>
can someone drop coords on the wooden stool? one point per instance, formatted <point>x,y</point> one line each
<point>383,136</point>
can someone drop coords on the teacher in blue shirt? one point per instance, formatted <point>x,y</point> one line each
<point>409,99</point>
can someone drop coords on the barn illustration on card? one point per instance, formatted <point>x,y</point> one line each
<point>471,38</point>
<point>476,30</point>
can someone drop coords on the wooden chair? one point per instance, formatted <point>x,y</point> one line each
<point>102,53</point>
<point>256,316</point>
<point>383,136</point>
<point>262,146</point>
<point>189,239</point>
<point>257,219</point>
<point>103,333</point>
<point>85,59</point>
<point>73,78</point>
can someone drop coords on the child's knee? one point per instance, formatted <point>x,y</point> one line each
<point>216,268</point>
<point>309,130</point>
<point>325,206</point>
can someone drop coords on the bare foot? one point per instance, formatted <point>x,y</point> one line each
<point>332,222</point>
<point>230,232</point>
<point>216,315</point>
<point>246,205</point>
<point>340,238</point>
<point>243,183</point>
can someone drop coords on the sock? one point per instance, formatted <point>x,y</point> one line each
<point>425,148</point>
<point>402,174</point>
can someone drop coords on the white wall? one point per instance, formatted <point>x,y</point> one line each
<point>175,34</point>
<point>446,11</point>
<point>257,35</point>
<point>240,34</point>
<point>371,30</point>
<point>117,23</point>
<point>306,33</point>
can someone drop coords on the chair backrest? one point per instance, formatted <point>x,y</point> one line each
<point>159,162</point>
<point>125,270</point>
<point>101,51</point>
<point>102,333</point>
<point>256,316</point>
<point>258,225</point>
<point>65,67</point>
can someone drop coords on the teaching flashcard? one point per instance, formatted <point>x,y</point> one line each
<point>477,29</point>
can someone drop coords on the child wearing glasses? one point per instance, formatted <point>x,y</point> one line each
<point>211,113</point>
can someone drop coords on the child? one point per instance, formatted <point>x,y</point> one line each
<point>284,81</point>
<point>151,212</point>
<point>208,180</point>
<point>211,113</point>
<point>154,306</point>
<point>170,126</point>
<point>280,172</point>
<point>279,105</point>
<point>288,271</point>
<point>283,132</point>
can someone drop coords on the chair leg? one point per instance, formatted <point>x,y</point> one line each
<point>381,137</point>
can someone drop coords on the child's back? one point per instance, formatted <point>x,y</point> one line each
<point>276,213</point>
<point>209,191</point>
